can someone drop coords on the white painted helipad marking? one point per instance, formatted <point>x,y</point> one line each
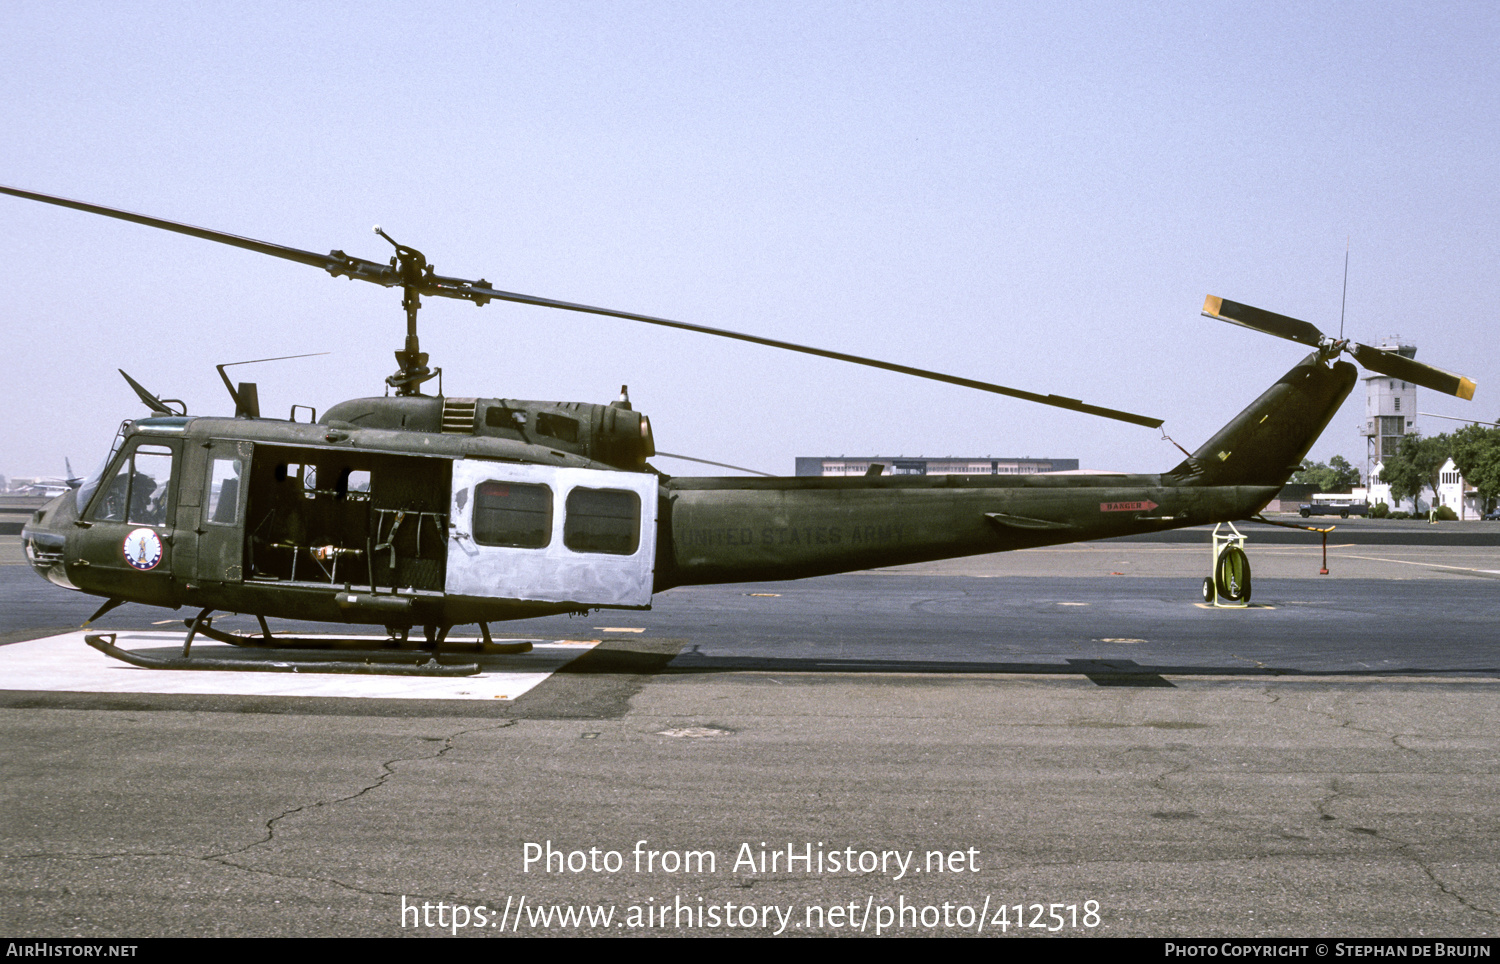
<point>67,664</point>
<point>1234,606</point>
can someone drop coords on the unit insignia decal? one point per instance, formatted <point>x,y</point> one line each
<point>143,549</point>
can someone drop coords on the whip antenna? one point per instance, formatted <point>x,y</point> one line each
<point>1345,299</point>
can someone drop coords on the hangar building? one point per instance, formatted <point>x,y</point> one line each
<point>843,466</point>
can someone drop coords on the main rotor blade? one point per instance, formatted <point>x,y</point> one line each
<point>1258,319</point>
<point>1056,401</point>
<point>1411,370</point>
<point>722,465</point>
<point>337,263</point>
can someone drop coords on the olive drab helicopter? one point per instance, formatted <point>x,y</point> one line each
<point>415,510</point>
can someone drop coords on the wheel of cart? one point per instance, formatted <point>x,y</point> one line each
<point>1228,585</point>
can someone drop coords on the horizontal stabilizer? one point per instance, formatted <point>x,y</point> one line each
<point>1023,522</point>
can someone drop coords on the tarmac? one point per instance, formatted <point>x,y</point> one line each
<point>1060,741</point>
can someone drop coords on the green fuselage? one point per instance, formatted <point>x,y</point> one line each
<point>245,525</point>
<point>744,530</point>
<point>741,530</point>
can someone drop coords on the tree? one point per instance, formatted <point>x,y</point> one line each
<point>1337,474</point>
<point>1344,474</point>
<point>1416,465</point>
<point>1476,452</point>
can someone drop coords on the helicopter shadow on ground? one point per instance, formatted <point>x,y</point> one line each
<point>639,657</point>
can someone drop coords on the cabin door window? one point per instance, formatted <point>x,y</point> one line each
<point>604,521</point>
<point>222,497</point>
<point>221,532</point>
<point>544,534</point>
<point>512,514</point>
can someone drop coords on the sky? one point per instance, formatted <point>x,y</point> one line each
<point>1038,195</point>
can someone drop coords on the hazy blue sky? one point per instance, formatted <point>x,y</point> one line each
<point>1034,194</point>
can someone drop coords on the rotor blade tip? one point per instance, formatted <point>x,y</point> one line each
<point>1211,305</point>
<point>1465,389</point>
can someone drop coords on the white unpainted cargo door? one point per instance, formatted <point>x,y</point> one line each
<point>545,534</point>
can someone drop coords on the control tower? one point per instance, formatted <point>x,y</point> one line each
<point>1390,408</point>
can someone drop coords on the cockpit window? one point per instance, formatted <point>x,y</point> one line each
<point>138,492</point>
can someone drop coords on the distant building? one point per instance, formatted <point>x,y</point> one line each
<point>1453,492</point>
<point>844,466</point>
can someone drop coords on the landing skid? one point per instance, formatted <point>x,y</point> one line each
<point>379,666</point>
<point>104,643</point>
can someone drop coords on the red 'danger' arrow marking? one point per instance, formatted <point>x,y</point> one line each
<point>1145,506</point>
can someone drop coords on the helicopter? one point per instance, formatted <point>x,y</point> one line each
<point>412,509</point>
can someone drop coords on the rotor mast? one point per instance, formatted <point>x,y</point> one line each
<point>412,268</point>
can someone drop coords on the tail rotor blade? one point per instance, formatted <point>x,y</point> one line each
<point>1258,319</point>
<point>1373,359</point>
<point>1407,369</point>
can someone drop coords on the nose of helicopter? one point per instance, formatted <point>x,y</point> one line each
<point>44,538</point>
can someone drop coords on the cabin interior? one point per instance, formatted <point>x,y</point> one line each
<point>347,518</point>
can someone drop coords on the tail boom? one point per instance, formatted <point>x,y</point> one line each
<point>742,530</point>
